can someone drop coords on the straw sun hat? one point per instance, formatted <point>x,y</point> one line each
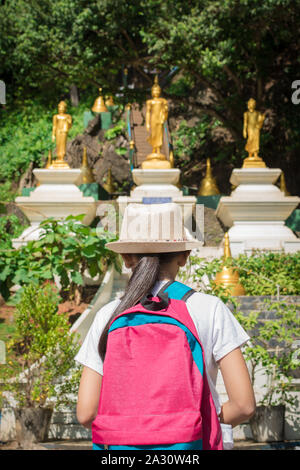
<point>153,228</point>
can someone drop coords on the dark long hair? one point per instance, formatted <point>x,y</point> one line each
<point>142,280</point>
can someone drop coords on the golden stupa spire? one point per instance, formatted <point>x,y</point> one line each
<point>99,105</point>
<point>283,187</point>
<point>171,158</point>
<point>86,172</point>
<point>208,186</point>
<point>49,160</point>
<point>229,278</point>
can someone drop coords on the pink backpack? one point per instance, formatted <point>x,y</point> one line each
<point>154,388</point>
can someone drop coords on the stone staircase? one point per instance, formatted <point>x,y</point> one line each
<point>140,134</point>
<point>64,426</point>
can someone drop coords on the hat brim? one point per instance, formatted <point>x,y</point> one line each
<point>152,247</point>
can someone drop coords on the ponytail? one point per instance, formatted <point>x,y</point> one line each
<point>144,276</point>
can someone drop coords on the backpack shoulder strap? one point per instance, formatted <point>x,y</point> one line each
<point>176,290</point>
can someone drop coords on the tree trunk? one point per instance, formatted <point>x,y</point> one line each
<point>74,95</point>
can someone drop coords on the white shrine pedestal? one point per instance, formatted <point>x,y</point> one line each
<point>256,212</point>
<point>159,186</point>
<point>156,186</point>
<point>57,196</point>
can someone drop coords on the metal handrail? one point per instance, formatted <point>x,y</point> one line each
<point>131,137</point>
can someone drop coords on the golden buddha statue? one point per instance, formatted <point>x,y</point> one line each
<point>208,186</point>
<point>156,115</point>
<point>62,123</point>
<point>99,105</point>
<point>86,172</point>
<point>253,122</point>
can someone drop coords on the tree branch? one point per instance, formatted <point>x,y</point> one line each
<point>227,123</point>
<point>233,77</point>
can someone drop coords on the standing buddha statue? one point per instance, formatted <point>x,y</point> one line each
<point>253,122</point>
<point>62,123</point>
<point>156,115</point>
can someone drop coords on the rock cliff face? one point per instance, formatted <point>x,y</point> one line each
<point>101,154</point>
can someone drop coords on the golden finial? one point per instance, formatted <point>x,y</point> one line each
<point>131,145</point>
<point>109,101</point>
<point>283,187</point>
<point>99,105</point>
<point>155,85</point>
<point>171,158</point>
<point>228,278</point>
<point>208,186</point>
<point>86,172</point>
<point>227,251</point>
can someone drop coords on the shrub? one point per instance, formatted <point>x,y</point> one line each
<point>271,348</point>
<point>64,251</point>
<point>260,273</point>
<point>41,352</point>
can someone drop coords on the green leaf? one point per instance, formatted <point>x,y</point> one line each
<point>93,268</point>
<point>77,278</point>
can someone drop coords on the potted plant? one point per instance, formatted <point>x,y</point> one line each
<point>38,356</point>
<point>271,350</point>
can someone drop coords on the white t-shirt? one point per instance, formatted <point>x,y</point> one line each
<point>218,330</point>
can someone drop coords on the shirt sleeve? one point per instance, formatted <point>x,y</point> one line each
<point>88,354</point>
<point>228,334</point>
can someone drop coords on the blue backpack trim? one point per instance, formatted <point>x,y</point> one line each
<point>193,445</point>
<point>137,319</point>
<point>176,290</point>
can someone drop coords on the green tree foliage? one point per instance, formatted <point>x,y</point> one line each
<point>61,42</point>
<point>224,52</point>
<point>229,51</point>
